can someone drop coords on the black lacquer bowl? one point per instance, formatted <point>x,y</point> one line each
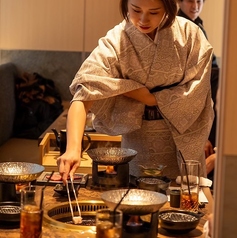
<point>179,221</point>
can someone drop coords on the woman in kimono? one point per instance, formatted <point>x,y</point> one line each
<point>149,81</point>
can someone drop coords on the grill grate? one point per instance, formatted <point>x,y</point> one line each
<point>8,209</point>
<point>60,215</point>
<point>66,209</point>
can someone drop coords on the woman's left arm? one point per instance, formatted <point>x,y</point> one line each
<point>142,95</point>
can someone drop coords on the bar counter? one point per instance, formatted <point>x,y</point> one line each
<point>52,198</point>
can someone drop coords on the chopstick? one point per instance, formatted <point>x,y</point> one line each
<point>73,189</point>
<point>69,199</point>
<point>74,219</point>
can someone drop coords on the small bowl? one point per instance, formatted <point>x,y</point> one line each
<point>158,184</point>
<point>179,221</point>
<point>153,171</point>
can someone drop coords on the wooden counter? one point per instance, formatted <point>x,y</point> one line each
<point>86,194</point>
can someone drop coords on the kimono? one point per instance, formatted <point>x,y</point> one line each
<point>126,59</point>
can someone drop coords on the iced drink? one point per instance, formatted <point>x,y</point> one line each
<point>107,230</point>
<point>190,179</point>
<point>189,201</point>
<point>108,223</point>
<point>31,222</point>
<point>31,212</point>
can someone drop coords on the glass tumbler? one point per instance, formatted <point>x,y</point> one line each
<point>109,223</point>
<point>31,212</point>
<point>190,180</point>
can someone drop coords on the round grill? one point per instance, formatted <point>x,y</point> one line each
<point>10,211</point>
<point>60,215</point>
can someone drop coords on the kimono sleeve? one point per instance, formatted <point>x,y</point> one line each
<point>184,104</point>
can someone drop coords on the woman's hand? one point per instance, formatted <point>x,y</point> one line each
<point>68,164</point>
<point>70,160</point>
<point>142,95</point>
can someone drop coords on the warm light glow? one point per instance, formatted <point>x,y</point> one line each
<point>110,170</point>
<point>134,221</point>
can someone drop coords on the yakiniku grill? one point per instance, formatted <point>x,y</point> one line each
<point>11,175</point>
<point>116,160</point>
<point>140,210</point>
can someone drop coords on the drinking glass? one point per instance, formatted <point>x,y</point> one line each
<point>109,223</point>
<point>31,212</point>
<point>190,180</point>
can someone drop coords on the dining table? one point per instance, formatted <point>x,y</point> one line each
<point>86,193</point>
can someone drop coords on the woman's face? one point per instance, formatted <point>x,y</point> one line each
<point>146,15</point>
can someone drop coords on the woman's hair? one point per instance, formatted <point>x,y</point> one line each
<point>170,9</point>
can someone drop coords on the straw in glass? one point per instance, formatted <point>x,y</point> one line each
<point>114,212</point>
<point>185,165</point>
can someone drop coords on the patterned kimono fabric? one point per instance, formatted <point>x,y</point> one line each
<point>125,60</point>
<point>155,146</point>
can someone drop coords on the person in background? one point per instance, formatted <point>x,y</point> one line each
<point>191,9</point>
<point>147,80</point>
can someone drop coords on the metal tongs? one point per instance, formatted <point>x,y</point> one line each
<point>75,219</point>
